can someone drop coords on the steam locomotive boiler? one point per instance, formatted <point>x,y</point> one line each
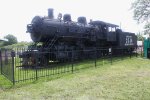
<point>62,34</point>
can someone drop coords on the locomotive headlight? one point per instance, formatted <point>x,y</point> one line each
<point>29,28</point>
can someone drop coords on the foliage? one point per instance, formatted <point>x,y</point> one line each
<point>140,37</point>
<point>147,28</point>
<point>141,9</point>
<point>13,43</point>
<point>11,39</point>
<point>1,44</point>
<point>126,79</point>
<point>18,45</point>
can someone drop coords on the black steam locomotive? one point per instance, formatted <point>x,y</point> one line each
<point>62,34</point>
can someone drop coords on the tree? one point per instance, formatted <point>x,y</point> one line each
<point>140,37</point>
<point>11,39</point>
<point>141,9</point>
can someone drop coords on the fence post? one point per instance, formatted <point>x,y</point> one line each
<point>13,67</point>
<point>122,53</point>
<point>72,59</point>
<point>95,57</point>
<point>110,53</point>
<point>36,64</point>
<point>130,53</point>
<point>141,51</point>
<point>1,60</point>
<point>136,50</point>
<point>6,56</point>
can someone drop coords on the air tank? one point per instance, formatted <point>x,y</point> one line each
<point>82,20</point>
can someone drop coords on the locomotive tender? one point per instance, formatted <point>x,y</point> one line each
<point>60,34</point>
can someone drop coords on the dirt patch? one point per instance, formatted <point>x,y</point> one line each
<point>140,73</point>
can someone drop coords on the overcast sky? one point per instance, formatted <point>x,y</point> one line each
<point>16,14</point>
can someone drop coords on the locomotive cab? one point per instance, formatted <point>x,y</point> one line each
<point>105,31</point>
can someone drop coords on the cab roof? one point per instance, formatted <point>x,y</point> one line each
<point>103,23</point>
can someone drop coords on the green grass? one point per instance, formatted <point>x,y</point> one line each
<point>127,79</point>
<point>53,69</point>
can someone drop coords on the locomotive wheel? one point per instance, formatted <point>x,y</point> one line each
<point>44,61</point>
<point>28,62</point>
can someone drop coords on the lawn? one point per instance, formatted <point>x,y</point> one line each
<point>127,79</point>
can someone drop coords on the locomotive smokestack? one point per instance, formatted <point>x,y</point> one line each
<point>50,13</point>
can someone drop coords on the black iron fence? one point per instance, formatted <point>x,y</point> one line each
<point>7,64</point>
<point>22,64</point>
